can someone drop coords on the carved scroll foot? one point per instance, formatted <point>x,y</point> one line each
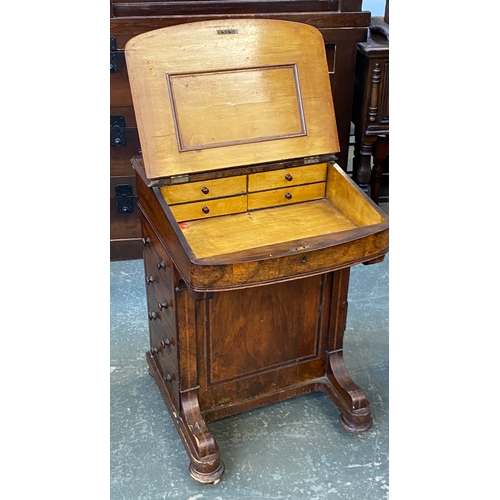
<point>357,428</point>
<point>202,477</point>
<point>350,399</point>
<point>205,465</point>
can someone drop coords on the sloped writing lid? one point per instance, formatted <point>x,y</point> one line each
<point>218,94</point>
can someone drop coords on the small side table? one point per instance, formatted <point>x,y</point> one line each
<point>371,112</point>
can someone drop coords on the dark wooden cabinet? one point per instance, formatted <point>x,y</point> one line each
<point>341,23</point>
<point>371,112</point>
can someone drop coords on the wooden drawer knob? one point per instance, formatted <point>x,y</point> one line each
<point>205,190</point>
<point>205,210</point>
<point>288,196</point>
<point>288,177</point>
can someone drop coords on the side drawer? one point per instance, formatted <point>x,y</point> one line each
<point>205,190</point>
<point>276,197</point>
<point>287,177</point>
<point>209,208</point>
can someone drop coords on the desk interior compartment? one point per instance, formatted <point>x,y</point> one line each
<point>315,211</point>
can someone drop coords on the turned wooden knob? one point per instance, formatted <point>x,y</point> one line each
<point>288,177</point>
<point>288,196</point>
<point>205,190</point>
<point>205,210</point>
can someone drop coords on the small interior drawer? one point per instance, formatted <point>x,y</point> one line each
<point>287,177</point>
<point>209,208</point>
<point>284,196</point>
<point>205,190</point>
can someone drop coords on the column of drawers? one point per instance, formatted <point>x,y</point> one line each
<point>161,307</point>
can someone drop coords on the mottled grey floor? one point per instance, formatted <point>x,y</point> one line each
<point>290,450</point>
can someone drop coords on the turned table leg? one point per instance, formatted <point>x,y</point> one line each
<point>381,151</point>
<point>350,399</point>
<point>362,169</point>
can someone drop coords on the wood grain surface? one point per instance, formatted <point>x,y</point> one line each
<point>230,92</point>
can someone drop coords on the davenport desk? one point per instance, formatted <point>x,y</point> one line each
<point>248,224</point>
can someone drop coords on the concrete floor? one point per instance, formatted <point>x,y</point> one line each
<point>294,449</point>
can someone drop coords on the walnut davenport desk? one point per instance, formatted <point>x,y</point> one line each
<point>249,226</point>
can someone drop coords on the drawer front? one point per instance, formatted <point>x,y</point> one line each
<point>164,346</point>
<point>287,177</point>
<point>209,208</point>
<point>276,197</point>
<point>157,264</point>
<point>205,190</point>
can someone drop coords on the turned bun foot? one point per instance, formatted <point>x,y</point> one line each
<point>359,425</point>
<point>206,477</point>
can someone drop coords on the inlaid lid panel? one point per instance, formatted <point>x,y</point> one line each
<point>217,94</point>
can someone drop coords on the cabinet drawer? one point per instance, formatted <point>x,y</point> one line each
<point>209,208</point>
<point>170,374</point>
<point>164,340</point>
<point>275,197</point>
<point>204,190</point>
<point>287,177</point>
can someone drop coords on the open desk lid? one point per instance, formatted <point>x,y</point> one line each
<point>218,94</point>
